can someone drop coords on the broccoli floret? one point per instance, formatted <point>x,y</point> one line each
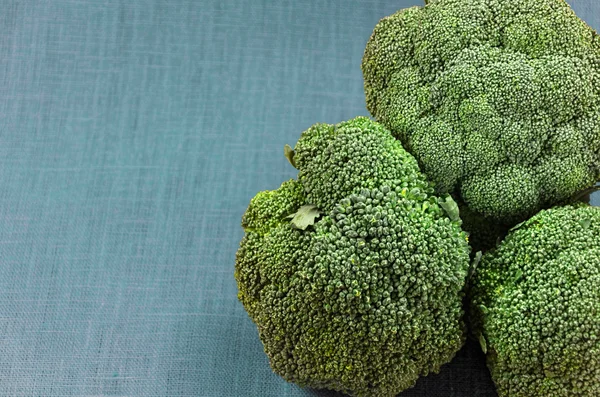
<point>335,161</point>
<point>535,305</point>
<point>368,297</point>
<point>498,100</point>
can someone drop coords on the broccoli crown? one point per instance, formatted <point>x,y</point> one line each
<point>535,305</point>
<point>368,297</point>
<point>499,100</point>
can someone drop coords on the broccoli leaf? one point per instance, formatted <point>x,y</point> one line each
<point>483,343</point>
<point>305,216</point>
<point>518,275</point>
<point>585,223</point>
<point>518,226</point>
<point>289,154</point>
<point>475,262</point>
<point>451,208</point>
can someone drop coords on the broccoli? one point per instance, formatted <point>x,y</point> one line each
<point>499,100</point>
<point>354,273</point>
<point>484,233</point>
<point>535,305</point>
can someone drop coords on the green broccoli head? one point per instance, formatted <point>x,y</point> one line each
<point>499,100</point>
<point>535,305</point>
<point>354,273</point>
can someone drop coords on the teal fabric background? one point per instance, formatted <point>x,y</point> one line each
<point>132,136</point>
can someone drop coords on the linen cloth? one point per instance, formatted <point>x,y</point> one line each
<point>132,136</point>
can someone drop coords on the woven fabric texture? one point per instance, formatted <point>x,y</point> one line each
<point>132,136</point>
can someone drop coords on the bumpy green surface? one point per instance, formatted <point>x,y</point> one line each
<point>497,99</point>
<point>535,301</point>
<point>368,298</point>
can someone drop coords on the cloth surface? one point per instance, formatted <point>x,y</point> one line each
<point>133,134</point>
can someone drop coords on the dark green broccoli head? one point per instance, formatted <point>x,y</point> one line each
<point>499,100</point>
<point>369,296</point>
<point>535,305</point>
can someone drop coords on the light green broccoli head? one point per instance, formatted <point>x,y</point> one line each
<point>535,306</point>
<point>499,100</point>
<point>368,297</point>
